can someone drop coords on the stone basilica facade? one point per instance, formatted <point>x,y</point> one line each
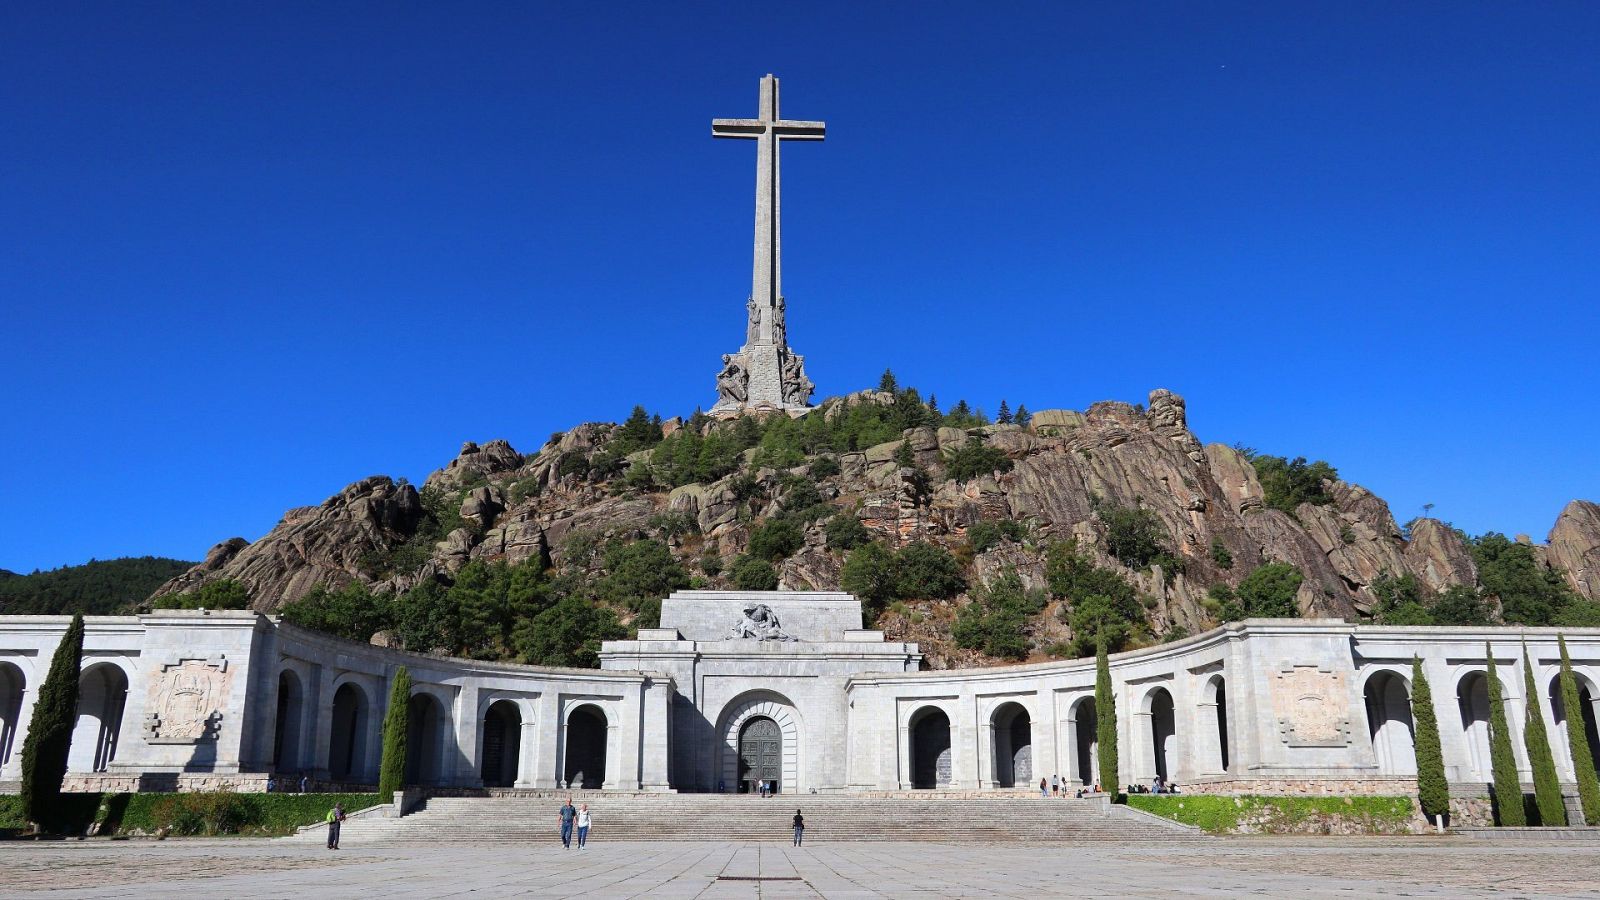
<point>786,687</point>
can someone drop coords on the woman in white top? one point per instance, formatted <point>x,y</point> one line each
<point>583,825</point>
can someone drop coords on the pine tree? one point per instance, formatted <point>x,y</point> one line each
<point>1003,417</point>
<point>1507,786</point>
<point>904,456</point>
<point>1577,741</point>
<point>1433,790</point>
<point>1546,784</point>
<point>55,712</point>
<point>1105,711</point>
<point>1022,416</point>
<point>933,407</point>
<point>396,725</point>
<point>887,382</point>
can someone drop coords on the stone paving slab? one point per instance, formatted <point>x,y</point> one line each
<point>1268,867</point>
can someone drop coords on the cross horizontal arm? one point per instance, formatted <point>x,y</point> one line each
<point>738,128</point>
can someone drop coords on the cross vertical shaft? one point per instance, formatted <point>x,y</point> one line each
<point>767,365</point>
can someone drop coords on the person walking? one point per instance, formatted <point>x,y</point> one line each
<point>335,819</point>
<point>568,814</point>
<point>1044,788</point>
<point>584,821</point>
<point>799,828</point>
<point>303,782</point>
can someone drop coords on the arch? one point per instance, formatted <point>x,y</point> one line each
<point>286,733</point>
<point>1012,731</point>
<point>584,765</point>
<point>931,761</point>
<point>1159,707</point>
<point>424,739</point>
<point>1085,741</point>
<point>102,698</point>
<point>1472,700</point>
<point>1214,722</point>
<point>502,743</point>
<point>1388,703</point>
<point>730,767</point>
<point>347,733</point>
<point>1558,710</point>
<point>12,685</point>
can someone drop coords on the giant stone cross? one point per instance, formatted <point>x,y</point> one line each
<point>765,373</point>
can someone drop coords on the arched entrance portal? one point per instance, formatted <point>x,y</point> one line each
<point>1163,732</point>
<point>423,740</point>
<point>1013,746</point>
<point>1472,699</point>
<point>1214,706</point>
<point>12,684</point>
<point>347,740</point>
<point>760,755</point>
<point>585,764</point>
<point>1388,700</point>
<point>291,709</point>
<point>102,694</point>
<point>930,749</point>
<point>502,736</point>
<point>1086,742</point>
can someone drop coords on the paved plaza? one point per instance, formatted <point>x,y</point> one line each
<point>1268,867</point>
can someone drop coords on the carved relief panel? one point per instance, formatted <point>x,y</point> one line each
<point>1312,707</point>
<point>187,699</point>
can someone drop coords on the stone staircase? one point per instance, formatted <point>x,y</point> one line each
<point>714,817</point>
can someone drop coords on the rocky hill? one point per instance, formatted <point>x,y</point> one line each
<point>704,488</point>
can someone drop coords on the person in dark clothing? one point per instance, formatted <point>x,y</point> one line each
<point>799,828</point>
<point>568,814</point>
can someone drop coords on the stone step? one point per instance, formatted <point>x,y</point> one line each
<point>669,817</point>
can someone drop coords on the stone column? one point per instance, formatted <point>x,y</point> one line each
<point>655,743</point>
<point>460,742</point>
<point>965,752</point>
<point>549,728</point>
<point>1043,733</point>
<point>528,761</point>
<point>318,722</point>
<point>984,753</point>
<point>13,765</point>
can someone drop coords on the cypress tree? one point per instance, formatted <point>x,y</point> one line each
<point>1577,741</point>
<point>1433,790</point>
<point>55,712</point>
<point>1507,786</point>
<point>396,724</point>
<point>1105,713</point>
<point>1546,784</point>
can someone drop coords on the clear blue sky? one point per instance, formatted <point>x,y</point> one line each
<point>250,253</point>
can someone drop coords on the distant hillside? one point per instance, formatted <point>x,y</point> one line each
<point>1033,536</point>
<point>98,587</point>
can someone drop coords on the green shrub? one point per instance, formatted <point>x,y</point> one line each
<point>775,539</point>
<point>1134,536</point>
<point>752,573</point>
<point>1285,484</point>
<point>982,536</point>
<point>926,571</point>
<point>1546,783</point>
<point>823,467</point>
<point>1105,710</point>
<point>639,570</point>
<point>396,724</point>
<point>974,459</point>
<point>1269,591</point>
<point>1220,554</point>
<point>1103,606</point>
<point>49,740</point>
<point>1577,741</point>
<point>1507,788</point>
<point>711,564</point>
<point>352,612</point>
<point>1530,593</point>
<point>224,593</point>
<point>1433,790</point>
<point>869,573</point>
<point>570,632</point>
<point>996,620</point>
<point>845,532</point>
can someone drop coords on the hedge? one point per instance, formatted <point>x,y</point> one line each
<point>195,813</point>
<point>1223,814</point>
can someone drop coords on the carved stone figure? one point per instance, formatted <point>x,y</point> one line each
<point>732,380</point>
<point>187,699</point>
<point>760,623</point>
<point>797,387</point>
<point>753,330</point>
